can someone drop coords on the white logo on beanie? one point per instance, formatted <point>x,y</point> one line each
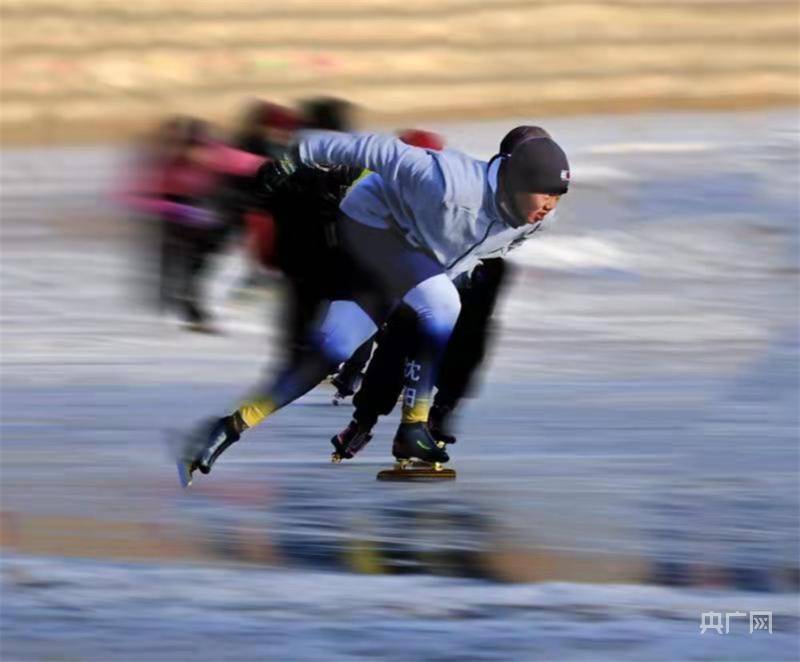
<point>565,176</point>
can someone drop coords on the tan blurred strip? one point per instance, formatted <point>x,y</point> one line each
<point>490,25</point>
<point>135,541</point>
<point>123,540</point>
<point>92,69</point>
<point>524,565</point>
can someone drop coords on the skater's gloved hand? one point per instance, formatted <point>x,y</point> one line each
<point>273,174</point>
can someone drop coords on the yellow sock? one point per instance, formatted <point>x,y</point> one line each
<point>255,411</point>
<point>415,410</point>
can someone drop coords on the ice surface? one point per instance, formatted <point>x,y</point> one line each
<point>638,423</point>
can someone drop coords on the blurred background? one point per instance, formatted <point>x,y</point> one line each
<point>97,68</point>
<point>630,460</point>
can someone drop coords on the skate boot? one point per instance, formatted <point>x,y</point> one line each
<point>418,456</point>
<point>439,424</point>
<point>346,382</point>
<point>205,445</point>
<point>350,441</point>
<point>414,444</point>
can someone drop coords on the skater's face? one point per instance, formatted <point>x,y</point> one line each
<point>533,207</point>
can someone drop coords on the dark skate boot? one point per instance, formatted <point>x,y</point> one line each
<point>418,455</point>
<point>439,422</point>
<point>350,441</point>
<point>346,382</point>
<point>205,445</point>
<point>414,443</point>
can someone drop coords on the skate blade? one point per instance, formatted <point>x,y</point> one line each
<point>417,470</point>
<point>416,474</point>
<point>184,474</point>
<point>174,447</point>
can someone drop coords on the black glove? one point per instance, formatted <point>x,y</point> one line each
<point>273,174</point>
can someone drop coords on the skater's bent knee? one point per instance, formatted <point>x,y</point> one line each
<point>437,304</point>
<point>345,328</point>
<point>448,310</point>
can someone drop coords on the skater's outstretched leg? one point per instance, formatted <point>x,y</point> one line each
<point>345,328</point>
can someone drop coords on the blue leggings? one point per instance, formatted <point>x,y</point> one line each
<point>396,271</point>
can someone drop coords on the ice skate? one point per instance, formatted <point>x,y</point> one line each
<point>350,441</point>
<point>346,382</point>
<point>418,456</point>
<point>202,448</point>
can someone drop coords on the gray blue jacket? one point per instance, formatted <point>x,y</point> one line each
<point>443,202</point>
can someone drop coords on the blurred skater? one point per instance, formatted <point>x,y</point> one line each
<point>178,183</point>
<point>420,219</point>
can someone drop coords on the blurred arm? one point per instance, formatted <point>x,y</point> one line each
<point>386,155</point>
